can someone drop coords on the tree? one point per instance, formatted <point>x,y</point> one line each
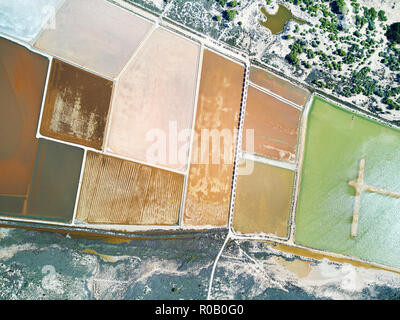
<point>393,32</point>
<point>292,58</point>
<point>232,4</point>
<point>339,7</point>
<point>229,14</point>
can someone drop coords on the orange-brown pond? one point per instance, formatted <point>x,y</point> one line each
<point>278,86</point>
<point>275,124</point>
<point>22,80</point>
<point>210,175</point>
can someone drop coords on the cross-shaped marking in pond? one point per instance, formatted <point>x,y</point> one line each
<point>360,186</point>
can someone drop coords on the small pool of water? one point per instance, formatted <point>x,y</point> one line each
<point>276,22</point>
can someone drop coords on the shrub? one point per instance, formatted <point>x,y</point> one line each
<point>381,15</point>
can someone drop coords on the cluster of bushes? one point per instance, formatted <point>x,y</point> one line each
<point>391,104</point>
<point>363,82</point>
<point>355,5</point>
<point>391,59</point>
<point>382,15</point>
<point>370,16</point>
<point>296,48</point>
<point>352,49</point>
<point>390,94</point>
<point>228,13</point>
<point>330,25</point>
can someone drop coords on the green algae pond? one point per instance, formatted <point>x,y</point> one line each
<point>336,141</point>
<point>276,22</point>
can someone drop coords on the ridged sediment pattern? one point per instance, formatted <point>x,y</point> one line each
<point>116,191</point>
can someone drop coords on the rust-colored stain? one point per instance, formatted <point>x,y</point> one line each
<point>263,200</point>
<point>116,191</point>
<point>22,81</point>
<point>95,34</point>
<point>156,94</point>
<point>275,126</point>
<point>105,257</point>
<point>55,181</point>
<point>77,105</point>
<point>210,180</point>
<point>279,86</point>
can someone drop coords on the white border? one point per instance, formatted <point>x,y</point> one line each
<point>216,47</point>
